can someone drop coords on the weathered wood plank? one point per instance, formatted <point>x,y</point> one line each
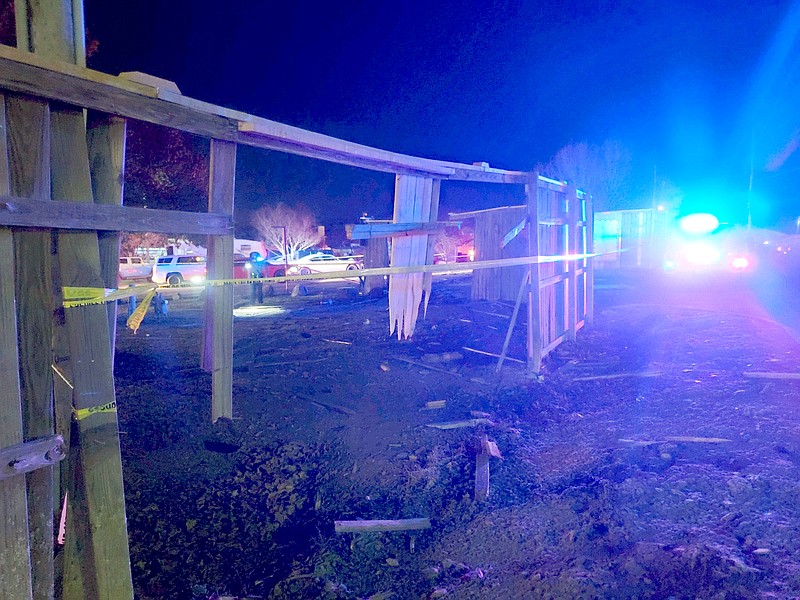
<point>15,566</point>
<point>534,331</point>
<point>572,247</point>
<point>26,73</point>
<point>56,80</point>
<point>413,204</point>
<point>381,525</point>
<point>376,256</point>
<point>219,309</point>
<point>29,157</point>
<point>106,142</point>
<point>433,212</point>
<point>37,213</point>
<point>366,231</point>
<point>589,249</point>
<point>27,457</point>
<point>98,490</point>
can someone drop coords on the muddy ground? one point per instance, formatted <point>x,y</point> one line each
<point>677,476</point>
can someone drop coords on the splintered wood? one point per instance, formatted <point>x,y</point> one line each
<point>416,201</point>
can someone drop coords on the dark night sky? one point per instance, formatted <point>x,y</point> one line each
<point>687,86</point>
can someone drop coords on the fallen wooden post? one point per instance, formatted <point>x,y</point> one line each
<point>381,525</point>
<point>522,287</point>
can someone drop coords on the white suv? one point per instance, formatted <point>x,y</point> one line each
<point>175,270</point>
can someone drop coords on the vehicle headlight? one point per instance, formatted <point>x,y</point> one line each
<point>197,279</point>
<point>701,253</point>
<point>740,263</point>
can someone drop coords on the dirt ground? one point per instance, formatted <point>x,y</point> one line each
<point>676,475</point>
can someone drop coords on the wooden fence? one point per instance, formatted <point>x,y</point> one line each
<point>564,229</point>
<point>62,156</point>
<point>630,238</point>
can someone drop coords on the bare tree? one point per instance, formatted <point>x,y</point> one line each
<point>448,242</point>
<point>298,221</point>
<point>131,242</point>
<point>602,171</point>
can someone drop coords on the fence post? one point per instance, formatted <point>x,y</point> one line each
<point>217,355</point>
<point>534,331</point>
<point>573,216</point>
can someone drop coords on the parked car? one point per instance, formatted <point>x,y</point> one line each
<point>321,262</point>
<point>178,269</point>
<point>243,267</point>
<point>133,267</point>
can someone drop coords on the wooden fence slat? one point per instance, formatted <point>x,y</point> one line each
<point>15,566</point>
<point>534,330</point>
<point>218,339</point>
<point>106,142</point>
<point>97,485</point>
<point>376,255</point>
<point>27,123</point>
<point>589,248</point>
<point>30,212</point>
<point>572,247</point>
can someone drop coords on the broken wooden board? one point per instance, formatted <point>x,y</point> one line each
<point>381,525</point>
<point>415,199</point>
<point>460,424</point>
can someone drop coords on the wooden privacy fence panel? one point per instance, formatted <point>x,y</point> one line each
<point>502,283</point>
<point>629,238</point>
<point>563,230</point>
<point>565,286</point>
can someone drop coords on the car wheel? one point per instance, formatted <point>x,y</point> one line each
<point>305,271</point>
<point>279,273</point>
<point>174,279</point>
<point>351,267</point>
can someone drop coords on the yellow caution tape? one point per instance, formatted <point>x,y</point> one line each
<point>82,413</point>
<point>81,296</point>
<point>135,320</point>
<point>85,296</point>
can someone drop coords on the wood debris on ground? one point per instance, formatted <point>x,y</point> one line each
<point>434,405</point>
<point>460,424</point>
<point>367,526</point>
